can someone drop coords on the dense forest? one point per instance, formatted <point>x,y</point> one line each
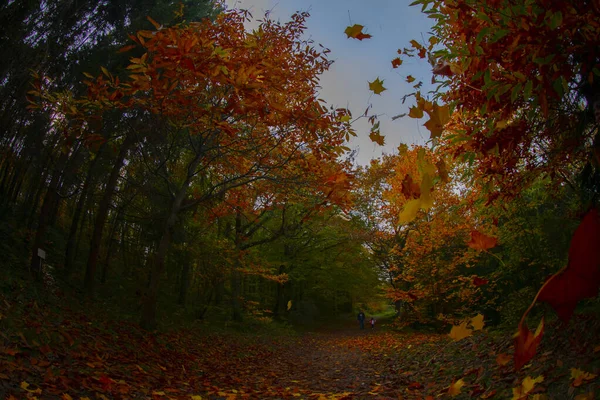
<point>170,178</point>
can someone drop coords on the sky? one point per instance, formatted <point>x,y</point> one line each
<point>392,23</point>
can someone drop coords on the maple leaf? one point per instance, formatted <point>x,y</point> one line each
<point>438,118</point>
<point>581,278</point>
<point>409,212</point>
<point>461,331</point>
<point>376,86</point>
<point>526,386</point>
<point>355,32</point>
<point>477,322</point>
<point>426,198</point>
<point>526,343</point>
<point>454,389</point>
<point>410,79</point>
<point>377,137</point>
<point>415,112</point>
<point>479,241</point>
<point>580,376</point>
<point>410,189</point>
<point>396,62</point>
<point>477,281</point>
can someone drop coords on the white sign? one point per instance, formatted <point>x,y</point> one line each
<point>41,254</point>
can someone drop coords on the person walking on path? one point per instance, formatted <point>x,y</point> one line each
<point>372,322</point>
<point>361,319</point>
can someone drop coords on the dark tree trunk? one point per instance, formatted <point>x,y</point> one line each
<point>101,214</point>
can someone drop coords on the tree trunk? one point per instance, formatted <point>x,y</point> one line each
<point>90,272</point>
<point>236,275</point>
<point>40,235</point>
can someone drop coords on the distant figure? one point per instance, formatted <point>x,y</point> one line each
<point>361,319</point>
<point>372,322</point>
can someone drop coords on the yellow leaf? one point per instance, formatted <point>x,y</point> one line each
<point>66,397</point>
<point>345,118</point>
<point>24,385</point>
<point>438,118</point>
<point>426,198</point>
<point>415,112</point>
<point>153,22</point>
<point>409,212</point>
<point>455,387</point>
<point>376,86</point>
<point>461,331</point>
<point>503,359</point>
<point>377,137</point>
<point>477,322</point>
<point>410,79</point>
<point>580,376</point>
<point>526,386</point>
<point>289,305</point>
<point>105,71</point>
<point>196,397</point>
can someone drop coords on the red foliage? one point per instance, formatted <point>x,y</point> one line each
<point>581,278</point>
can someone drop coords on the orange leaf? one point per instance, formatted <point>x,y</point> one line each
<point>454,389</point>
<point>526,343</point>
<point>396,62</point>
<point>503,359</point>
<point>479,241</point>
<point>377,137</point>
<point>461,331</point>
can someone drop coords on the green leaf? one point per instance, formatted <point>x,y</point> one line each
<point>528,89</point>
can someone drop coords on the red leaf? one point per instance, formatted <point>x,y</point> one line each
<point>581,278</point>
<point>479,241</point>
<point>477,281</point>
<point>526,343</point>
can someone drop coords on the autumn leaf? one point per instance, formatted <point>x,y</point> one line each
<point>377,137</point>
<point>479,241</point>
<point>526,386</point>
<point>426,197</point>
<point>376,86</point>
<point>396,62</point>
<point>477,281</point>
<point>477,322</point>
<point>438,118</point>
<point>461,331</point>
<point>454,389</point>
<point>581,278</point>
<point>355,32</point>
<point>526,343</point>
<point>410,79</point>
<point>410,189</point>
<point>503,359</point>
<point>289,305</point>
<point>579,377</point>
<point>409,212</point>
<point>415,112</point>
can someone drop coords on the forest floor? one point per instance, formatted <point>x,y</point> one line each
<point>48,351</point>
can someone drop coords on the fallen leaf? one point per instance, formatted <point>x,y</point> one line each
<point>477,322</point>
<point>527,386</point>
<point>461,331</point>
<point>477,281</point>
<point>503,359</point>
<point>579,377</point>
<point>454,389</point>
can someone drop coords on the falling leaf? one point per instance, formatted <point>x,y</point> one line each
<point>196,397</point>
<point>396,62</point>
<point>426,198</point>
<point>477,281</point>
<point>355,32</point>
<point>526,343</point>
<point>438,118</point>
<point>503,359</point>
<point>289,305</point>
<point>461,331</point>
<point>376,86</point>
<point>477,322</point>
<point>377,137</point>
<point>580,376</point>
<point>479,241</point>
<point>410,189</point>
<point>415,112</point>
<point>410,79</point>
<point>409,212</point>
<point>581,278</point>
<point>454,389</point>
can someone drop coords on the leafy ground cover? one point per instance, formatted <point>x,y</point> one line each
<point>48,351</point>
